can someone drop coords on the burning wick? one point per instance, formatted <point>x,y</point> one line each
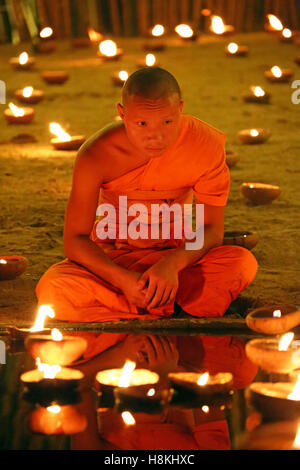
<point>2,261</point>
<point>151,392</point>
<point>128,418</point>
<point>295,395</point>
<point>23,58</point>
<point>184,30</point>
<point>50,372</point>
<point>276,71</point>
<point>287,33</point>
<point>43,312</point>
<point>158,30</point>
<point>46,32</point>
<point>254,133</point>
<point>285,341</point>
<point>17,112</point>
<point>57,130</point>
<point>56,334</point>
<point>94,35</point>
<point>54,409</point>
<point>123,75</point>
<point>205,409</point>
<point>277,314</point>
<point>275,22</point>
<point>150,60</point>
<point>203,379</point>
<point>258,91</point>
<point>217,25</point>
<point>233,48</point>
<point>108,48</point>
<point>27,91</point>
<point>126,374</point>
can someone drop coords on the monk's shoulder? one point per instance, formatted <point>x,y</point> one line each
<point>100,143</point>
<point>202,133</point>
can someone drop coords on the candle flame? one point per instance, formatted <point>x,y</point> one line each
<point>296,443</point>
<point>254,133</point>
<point>277,313</point>
<point>151,392</point>
<point>94,35</point>
<point>57,130</point>
<point>295,394</point>
<point>285,341</point>
<point>43,312</point>
<point>158,30</point>
<point>46,32</point>
<point>56,334</point>
<point>184,30</point>
<point>150,60</point>
<point>128,418</point>
<point>232,48</point>
<point>3,261</point>
<point>108,48</point>
<point>276,71</point>
<point>123,75</point>
<point>27,91</point>
<point>17,112</point>
<point>203,379</point>
<point>258,91</point>
<point>54,409</point>
<point>286,33</point>
<point>23,58</point>
<point>205,409</point>
<point>127,370</point>
<point>275,22</point>
<point>50,372</point>
<point>217,25</point>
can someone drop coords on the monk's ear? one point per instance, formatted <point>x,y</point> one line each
<point>120,109</point>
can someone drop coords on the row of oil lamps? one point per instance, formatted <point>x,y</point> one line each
<point>131,389</point>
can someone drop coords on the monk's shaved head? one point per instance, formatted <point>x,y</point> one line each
<point>151,83</point>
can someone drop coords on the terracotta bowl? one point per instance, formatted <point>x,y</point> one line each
<point>264,353</point>
<point>55,77</point>
<point>36,97</point>
<point>246,239</point>
<point>231,158</point>
<point>286,76</point>
<point>63,352</point>
<point>262,320</point>
<point>259,193</point>
<point>73,144</point>
<point>16,265</point>
<point>246,138</point>
<point>11,119</point>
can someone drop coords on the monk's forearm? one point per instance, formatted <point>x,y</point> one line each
<point>87,253</point>
<point>181,257</point>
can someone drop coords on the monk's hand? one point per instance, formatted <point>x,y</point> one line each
<point>160,283</point>
<point>158,353</point>
<point>132,289</point>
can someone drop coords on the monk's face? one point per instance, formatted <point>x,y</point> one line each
<point>152,126</point>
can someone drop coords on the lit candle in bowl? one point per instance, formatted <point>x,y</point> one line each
<point>63,140</point>
<point>234,50</point>
<point>218,27</point>
<point>286,36</point>
<point>119,78</point>
<point>20,334</point>
<point>185,32</point>
<point>257,95</point>
<point>23,62</point>
<point>254,136</point>
<point>12,266</point>
<point>203,384</point>
<point>273,25</point>
<point>57,419</point>
<point>44,42</point>
<point>275,355</point>
<point>260,193</point>
<point>273,321</point>
<point>149,61</point>
<point>278,75</point>
<point>55,77</point>
<point>94,36</point>
<point>56,348</point>
<point>155,44</point>
<point>29,95</point>
<point>241,238</point>
<point>108,50</point>
<point>15,115</point>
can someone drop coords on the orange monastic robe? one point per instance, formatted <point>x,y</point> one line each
<point>193,166</point>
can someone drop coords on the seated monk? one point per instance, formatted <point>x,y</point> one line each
<point>154,156</point>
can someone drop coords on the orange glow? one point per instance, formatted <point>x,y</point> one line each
<point>158,30</point>
<point>57,130</point>
<point>184,30</point>
<point>27,91</point>
<point>275,22</point>
<point>296,443</point>
<point>295,394</point>
<point>285,341</point>
<point>94,35</point>
<point>23,58</point>
<point>3,261</point>
<point>203,379</point>
<point>206,12</point>
<point>54,409</point>
<point>44,311</point>
<point>50,372</point>
<point>277,314</point>
<point>254,133</point>
<point>217,25</point>
<point>123,75</point>
<point>17,112</point>
<point>127,370</point>
<point>150,60</point>
<point>46,32</point>
<point>258,91</point>
<point>56,334</point>
<point>233,48</point>
<point>276,71</point>
<point>287,33</point>
<point>128,418</point>
<point>108,48</point>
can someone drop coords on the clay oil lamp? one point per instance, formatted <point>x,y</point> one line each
<point>254,136</point>
<point>149,61</point>
<point>108,50</point>
<point>273,321</point>
<point>202,384</point>
<point>23,62</point>
<point>260,193</point>
<point>57,419</point>
<point>12,266</point>
<point>50,378</point>
<point>286,36</point>
<point>56,348</point>
<point>274,25</point>
<point>218,27</point>
<point>275,355</point>
<point>15,115</point>
<point>231,158</point>
<point>276,401</point>
<point>257,95</point>
<point>155,44</point>
<point>20,334</point>
<point>55,77</point>
<point>94,36</point>
<point>185,32</point>
<point>277,436</point>
<point>119,78</point>
<point>278,75</point>
<point>63,140</point>
<point>29,95</point>
<point>234,50</point>
<point>45,43</point>
<point>107,380</point>
<point>80,43</point>
<point>246,239</point>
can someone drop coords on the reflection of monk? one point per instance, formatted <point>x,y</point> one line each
<point>174,428</point>
<point>156,155</point>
